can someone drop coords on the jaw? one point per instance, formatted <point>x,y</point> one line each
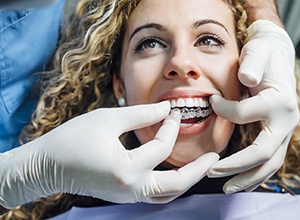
<point>214,138</point>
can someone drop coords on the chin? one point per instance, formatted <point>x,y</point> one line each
<point>186,153</point>
<point>181,159</point>
<point>173,162</point>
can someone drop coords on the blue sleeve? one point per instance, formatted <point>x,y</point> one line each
<point>20,4</point>
<point>28,39</point>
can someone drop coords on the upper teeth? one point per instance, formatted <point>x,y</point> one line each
<point>192,107</point>
<point>189,102</point>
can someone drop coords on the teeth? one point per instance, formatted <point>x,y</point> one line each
<point>192,107</point>
<point>189,102</point>
<point>180,102</point>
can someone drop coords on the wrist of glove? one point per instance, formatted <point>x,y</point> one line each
<point>26,174</point>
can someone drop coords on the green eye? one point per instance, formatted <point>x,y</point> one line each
<point>210,40</point>
<point>149,43</point>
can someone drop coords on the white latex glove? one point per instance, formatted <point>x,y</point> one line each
<point>267,67</point>
<point>84,156</point>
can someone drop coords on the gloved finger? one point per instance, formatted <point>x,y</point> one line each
<point>249,110</point>
<point>177,182</point>
<point>157,150</point>
<point>252,179</point>
<point>254,155</point>
<point>174,182</point>
<point>253,63</point>
<point>254,187</point>
<point>161,199</point>
<point>249,180</point>
<point>138,116</point>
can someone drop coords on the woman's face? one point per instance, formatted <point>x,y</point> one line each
<point>182,51</point>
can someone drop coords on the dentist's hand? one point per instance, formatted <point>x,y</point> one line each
<point>84,156</point>
<point>267,68</point>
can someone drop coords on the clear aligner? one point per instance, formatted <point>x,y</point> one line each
<point>187,113</point>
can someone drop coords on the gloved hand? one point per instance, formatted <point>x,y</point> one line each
<point>84,156</point>
<point>267,67</point>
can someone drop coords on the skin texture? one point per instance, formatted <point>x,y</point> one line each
<point>196,57</point>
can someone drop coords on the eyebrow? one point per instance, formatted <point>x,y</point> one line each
<point>208,21</point>
<point>162,28</point>
<point>150,25</point>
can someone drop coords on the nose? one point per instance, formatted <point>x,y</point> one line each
<point>182,65</point>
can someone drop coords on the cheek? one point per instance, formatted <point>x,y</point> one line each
<point>140,80</point>
<point>137,84</point>
<point>227,80</point>
<point>145,135</point>
<point>222,133</point>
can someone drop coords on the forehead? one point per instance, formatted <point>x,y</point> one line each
<point>180,11</point>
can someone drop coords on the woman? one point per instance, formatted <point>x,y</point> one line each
<point>138,52</point>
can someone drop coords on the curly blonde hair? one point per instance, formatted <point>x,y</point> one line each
<point>81,80</point>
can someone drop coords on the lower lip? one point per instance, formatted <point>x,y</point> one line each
<point>193,129</point>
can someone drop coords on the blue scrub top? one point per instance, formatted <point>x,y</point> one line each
<point>28,39</point>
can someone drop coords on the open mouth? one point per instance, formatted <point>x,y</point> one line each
<point>193,110</point>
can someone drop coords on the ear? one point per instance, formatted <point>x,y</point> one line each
<point>118,87</point>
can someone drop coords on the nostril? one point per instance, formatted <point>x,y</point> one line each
<point>192,73</point>
<point>172,73</point>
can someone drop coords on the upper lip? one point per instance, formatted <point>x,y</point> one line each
<point>175,94</point>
